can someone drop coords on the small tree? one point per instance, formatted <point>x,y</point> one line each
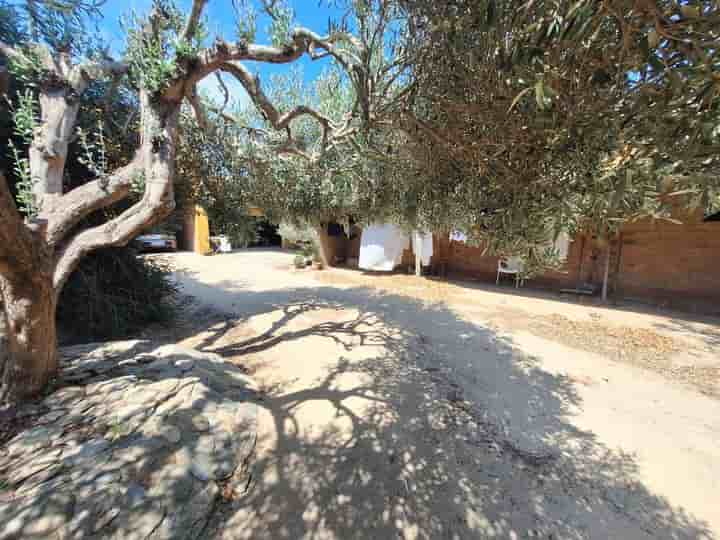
<point>310,176</point>
<point>165,61</point>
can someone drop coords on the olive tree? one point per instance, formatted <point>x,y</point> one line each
<point>166,59</point>
<point>533,116</point>
<point>305,178</point>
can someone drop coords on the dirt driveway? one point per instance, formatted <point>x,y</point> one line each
<point>398,407</point>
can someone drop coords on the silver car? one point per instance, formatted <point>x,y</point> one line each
<point>156,242</point>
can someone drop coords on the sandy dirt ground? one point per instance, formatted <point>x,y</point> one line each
<point>403,407</point>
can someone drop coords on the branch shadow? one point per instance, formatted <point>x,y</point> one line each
<point>134,441</point>
<point>425,425</point>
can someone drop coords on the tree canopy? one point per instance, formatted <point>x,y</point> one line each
<point>508,121</point>
<point>168,54</point>
<point>561,113</point>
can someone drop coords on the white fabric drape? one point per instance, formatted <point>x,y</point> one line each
<point>381,247</point>
<point>562,245</point>
<point>423,246</point>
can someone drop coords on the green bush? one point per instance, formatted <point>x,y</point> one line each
<point>295,235</point>
<point>242,232</point>
<point>115,294</point>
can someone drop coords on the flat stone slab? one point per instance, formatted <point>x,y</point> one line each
<point>138,442</point>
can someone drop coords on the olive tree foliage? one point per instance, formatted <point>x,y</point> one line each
<point>60,24</point>
<point>530,117</point>
<point>510,121</point>
<point>289,180</point>
<point>167,56</point>
<point>336,162</point>
<point>209,174</point>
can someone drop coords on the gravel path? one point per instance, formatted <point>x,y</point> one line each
<point>397,407</point>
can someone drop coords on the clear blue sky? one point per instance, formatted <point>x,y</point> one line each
<point>220,18</point>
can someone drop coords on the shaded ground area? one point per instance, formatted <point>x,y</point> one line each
<point>396,414</point>
<point>673,344</point>
<point>131,441</point>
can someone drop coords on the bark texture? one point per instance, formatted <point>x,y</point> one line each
<point>48,153</point>
<point>324,249</point>
<point>29,302</point>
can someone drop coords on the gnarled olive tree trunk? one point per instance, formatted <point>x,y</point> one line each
<point>30,358</point>
<point>38,257</point>
<point>36,260</point>
<point>28,302</point>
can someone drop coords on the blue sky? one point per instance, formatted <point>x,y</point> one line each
<point>220,18</point>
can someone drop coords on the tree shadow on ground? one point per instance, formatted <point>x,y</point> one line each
<point>127,444</point>
<point>423,425</point>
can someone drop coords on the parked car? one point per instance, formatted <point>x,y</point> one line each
<point>155,242</point>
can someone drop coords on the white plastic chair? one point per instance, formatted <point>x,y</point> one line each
<point>511,265</point>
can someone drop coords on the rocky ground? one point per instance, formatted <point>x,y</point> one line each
<point>133,441</point>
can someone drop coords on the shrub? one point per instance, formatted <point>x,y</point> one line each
<point>242,232</point>
<point>296,236</point>
<point>114,294</point>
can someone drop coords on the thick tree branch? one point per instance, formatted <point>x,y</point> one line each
<point>156,156</point>
<point>277,120</point>
<point>193,20</point>
<point>10,52</point>
<point>224,88</point>
<point>252,86</point>
<point>16,242</point>
<point>332,134</point>
<point>77,204</point>
<point>116,232</point>
<point>9,216</point>
<point>82,74</point>
<point>303,41</point>
<point>197,107</point>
